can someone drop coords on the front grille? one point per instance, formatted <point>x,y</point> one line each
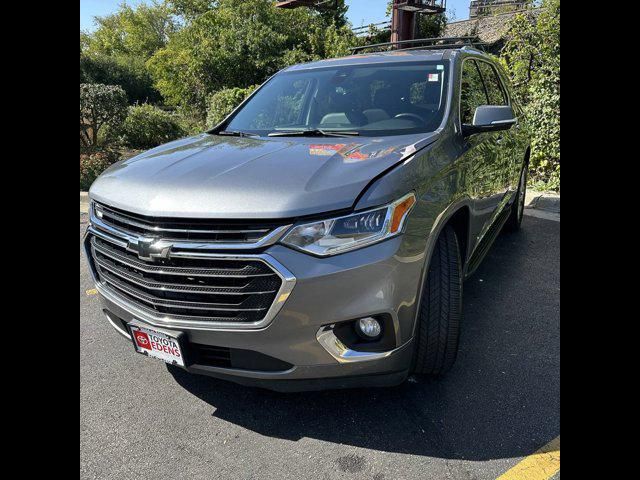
<point>180,229</point>
<point>236,290</point>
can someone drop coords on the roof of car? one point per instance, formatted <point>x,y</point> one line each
<point>395,56</point>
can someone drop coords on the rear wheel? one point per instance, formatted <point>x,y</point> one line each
<point>438,326</point>
<point>517,209</point>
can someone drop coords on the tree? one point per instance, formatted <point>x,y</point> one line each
<point>334,12</point>
<point>137,32</point>
<point>190,9</point>
<point>85,40</point>
<point>238,44</point>
<point>115,54</point>
<point>223,102</point>
<point>531,56</point>
<point>100,105</point>
<point>147,126</point>
<point>430,26</point>
<point>128,72</point>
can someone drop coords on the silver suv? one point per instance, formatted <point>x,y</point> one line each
<point>319,236</point>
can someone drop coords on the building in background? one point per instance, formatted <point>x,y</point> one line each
<point>479,8</point>
<point>492,26</point>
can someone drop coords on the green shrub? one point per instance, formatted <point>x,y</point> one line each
<point>147,126</point>
<point>531,56</point>
<point>100,105</point>
<point>191,121</point>
<point>224,101</point>
<point>93,164</point>
<point>128,72</point>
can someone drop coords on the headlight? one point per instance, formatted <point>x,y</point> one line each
<point>342,234</point>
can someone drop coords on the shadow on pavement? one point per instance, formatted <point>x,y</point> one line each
<point>501,400</point>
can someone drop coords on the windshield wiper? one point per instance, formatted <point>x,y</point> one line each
<point>235,133</point>
<point>314,132</point>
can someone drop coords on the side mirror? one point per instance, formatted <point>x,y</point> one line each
<point>490,118</point>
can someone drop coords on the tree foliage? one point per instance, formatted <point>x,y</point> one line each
<point>128,72</point>
<point>238,44</point>
<point>182,51</point>
<point>93,164</point>
<point>147,126</point>
<point>334,12</point>
<point>115,54</point>
<point>431,26</point>
<point>133,32</point>
<point>531,55</point>
<point>100,105</point>
<point>224,101</point>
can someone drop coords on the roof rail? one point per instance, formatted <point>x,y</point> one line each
<point>435,44</point>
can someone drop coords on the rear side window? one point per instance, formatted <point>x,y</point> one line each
<point>495,91</point>
<point>472,92</point>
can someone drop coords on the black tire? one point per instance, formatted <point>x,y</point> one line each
<point>517,208</point>
<point>438,328</point>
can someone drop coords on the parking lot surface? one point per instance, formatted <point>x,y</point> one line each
<point>499,404</point>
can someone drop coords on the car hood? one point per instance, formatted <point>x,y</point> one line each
<point>211,176</point>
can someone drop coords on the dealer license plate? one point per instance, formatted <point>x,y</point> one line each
<point>157,344</point>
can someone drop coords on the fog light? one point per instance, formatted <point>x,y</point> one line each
<point>368,328</point>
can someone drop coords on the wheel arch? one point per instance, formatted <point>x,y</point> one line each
<point>457,214</point>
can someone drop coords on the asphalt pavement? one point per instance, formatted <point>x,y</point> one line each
<point>499,404</point>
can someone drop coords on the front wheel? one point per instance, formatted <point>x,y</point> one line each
<point>438,326</point>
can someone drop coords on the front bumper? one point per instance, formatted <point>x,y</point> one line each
<point>382,279</point>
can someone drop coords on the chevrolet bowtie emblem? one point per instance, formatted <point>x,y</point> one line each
<point>149,248</point>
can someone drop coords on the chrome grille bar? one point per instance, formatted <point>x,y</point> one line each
<point>172,303</point>
<point>166,270</point>
<point>197,233</point>
<point>194,286</point>
<point>173,287</point>
<point>127,219</point>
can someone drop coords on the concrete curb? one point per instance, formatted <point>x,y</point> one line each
<point>544,205</point>
<point>84,202</point>
<point>549,202</point>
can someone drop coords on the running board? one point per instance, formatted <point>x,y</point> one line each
<point>485,244</point>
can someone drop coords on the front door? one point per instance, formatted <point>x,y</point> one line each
<point>485,178</point>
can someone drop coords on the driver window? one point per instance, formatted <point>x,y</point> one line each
<point>472,93</point>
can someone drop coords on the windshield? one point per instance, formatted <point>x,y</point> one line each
<point>371,100</point>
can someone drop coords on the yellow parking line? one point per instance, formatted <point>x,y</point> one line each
<point>91,291</point>
<point>541,465</point>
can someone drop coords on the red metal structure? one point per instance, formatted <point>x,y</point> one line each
<point>403,20</point>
